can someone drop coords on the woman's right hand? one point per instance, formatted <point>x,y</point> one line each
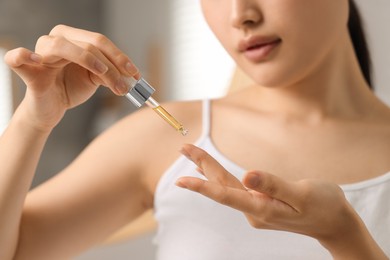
<point>65,70</point>
<point>311,207</point>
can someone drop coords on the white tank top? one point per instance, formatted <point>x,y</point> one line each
<point>192,227</point>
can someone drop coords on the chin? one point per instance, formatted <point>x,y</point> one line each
<point>274,76</point>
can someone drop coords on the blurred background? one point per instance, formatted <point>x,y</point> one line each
<point>175,51</point>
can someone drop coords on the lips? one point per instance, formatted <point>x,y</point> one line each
<point>258,48</point>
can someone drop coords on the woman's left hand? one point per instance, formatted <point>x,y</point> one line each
<point>311,207</point>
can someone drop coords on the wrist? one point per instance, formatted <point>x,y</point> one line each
<point>26,120</point>
<point>353,241</point>
<point>29,117</point>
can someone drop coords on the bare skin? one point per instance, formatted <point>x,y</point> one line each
<point>308,123</point>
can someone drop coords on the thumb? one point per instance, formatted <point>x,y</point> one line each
<point>19,58</point>
<point>271,185</point>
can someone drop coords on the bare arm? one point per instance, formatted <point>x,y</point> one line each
<point>20,146</point>
<point>97,194</point>
<point>65,70</point>
<point>101,191</point>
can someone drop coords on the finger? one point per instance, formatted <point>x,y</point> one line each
<point>107,47</point>
<point>21,56</point>
<point>273,186</point>
<point>24,62</point>
<point>200,171</point>
<point>209,167</point>
<point>57,51</point>
<point>249,202</point>
<point>229,196</point>
<point>113,77</point>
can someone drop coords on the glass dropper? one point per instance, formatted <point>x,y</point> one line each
<point>141,92</point>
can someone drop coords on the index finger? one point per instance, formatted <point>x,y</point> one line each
<point>250,202</point>
<point>105,45</point>
<point>210,167</point>
<point>273,186</point>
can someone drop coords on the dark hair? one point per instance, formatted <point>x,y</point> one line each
<point>356,31</point>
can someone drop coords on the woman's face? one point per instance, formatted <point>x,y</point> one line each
<point>278,42</point>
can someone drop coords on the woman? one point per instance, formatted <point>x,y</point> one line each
<point>310,120</point>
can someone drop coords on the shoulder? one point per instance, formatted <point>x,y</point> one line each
<point>146,144</point>
<point>380,120</point>
<point>146,126</point>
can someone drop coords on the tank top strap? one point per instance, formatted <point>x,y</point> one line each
<point>206,117</point>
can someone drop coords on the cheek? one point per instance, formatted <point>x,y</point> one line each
<point>216,13</point>
<point>314,23</point>
<point>310,30</point>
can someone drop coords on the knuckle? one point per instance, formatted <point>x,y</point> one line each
<point>121,58</point>
<point>99,39</point>
<point>87,56</point>
<point>200,159</point>
<point>89,47</point>
<point>111,77</point>
<point>46,43</point>
<point>112,74</point>
<point>56,42</point>
<point>42,39</point>
<point>57,29</point>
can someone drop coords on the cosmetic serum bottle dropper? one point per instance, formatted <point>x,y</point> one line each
<point>141,93</point>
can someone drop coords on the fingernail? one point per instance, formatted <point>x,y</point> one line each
<point>100,67</point>
<point>131,68</point>
<point>36,57</point>
<point>184,152</point>
<point>180,184</point>
<point>121,86</point>
<point>252,179</point>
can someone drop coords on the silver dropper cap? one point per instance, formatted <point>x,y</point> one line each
<point>139,92</point>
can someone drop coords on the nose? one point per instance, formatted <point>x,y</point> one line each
<point>245,13</point>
